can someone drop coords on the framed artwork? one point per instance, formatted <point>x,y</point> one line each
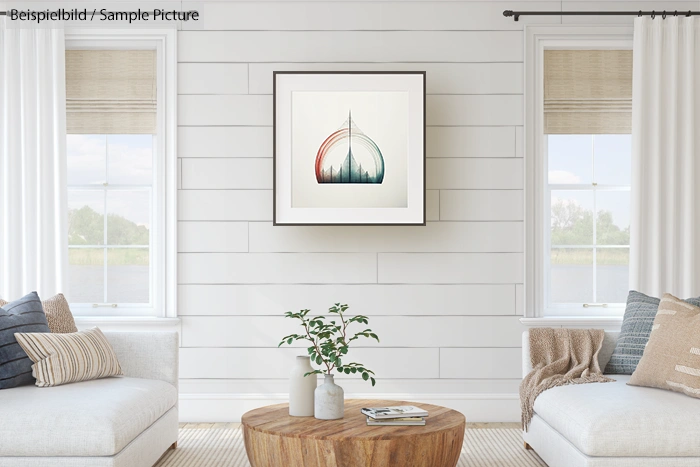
<point>349,148</point>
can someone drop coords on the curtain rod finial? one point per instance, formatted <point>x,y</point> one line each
<point>509,13</point>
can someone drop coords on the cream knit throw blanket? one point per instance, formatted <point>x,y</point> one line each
<point>560,357</point>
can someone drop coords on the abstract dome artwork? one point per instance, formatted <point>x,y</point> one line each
<point>362,163</point>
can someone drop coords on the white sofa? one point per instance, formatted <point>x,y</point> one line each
<point>127,421</point>
<point>612,424</point>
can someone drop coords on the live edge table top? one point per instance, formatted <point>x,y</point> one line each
<point>275,420</point>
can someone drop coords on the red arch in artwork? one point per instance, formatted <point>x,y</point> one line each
<point>326,146</point>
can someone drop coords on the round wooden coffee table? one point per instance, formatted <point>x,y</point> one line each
<point>273,438</point>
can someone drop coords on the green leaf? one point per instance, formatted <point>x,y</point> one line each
<point>347,370</point>
<point>319,360</point>
<point>365,376</point>
<point>373,381</point>
<point>337,361</point>
<point>289,341</point>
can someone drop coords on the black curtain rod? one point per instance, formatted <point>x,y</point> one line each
<point>517,14</point>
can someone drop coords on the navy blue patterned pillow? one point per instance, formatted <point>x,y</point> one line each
<point>636,326</point>
<point>23,315</point>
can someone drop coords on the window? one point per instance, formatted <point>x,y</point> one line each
<point>120,173</point>
<point>578,172</point>
<point>588,187</point>
<point>110,214</point>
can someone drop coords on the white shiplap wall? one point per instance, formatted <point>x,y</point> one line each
<point>442,297</point>
<point>445,298</point>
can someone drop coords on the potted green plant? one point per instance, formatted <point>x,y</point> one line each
<point>330,341</point>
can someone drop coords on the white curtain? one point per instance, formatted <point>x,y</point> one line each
<point>665,223</point>
<point>33,205</point>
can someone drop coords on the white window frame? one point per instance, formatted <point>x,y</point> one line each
<point>163,289</point>
<point>537,40</point>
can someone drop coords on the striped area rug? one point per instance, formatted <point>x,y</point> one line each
<point>223,447</point>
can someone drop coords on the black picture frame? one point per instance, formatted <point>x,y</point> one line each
<point>275,221</point>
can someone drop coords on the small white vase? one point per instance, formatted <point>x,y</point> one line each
<point>329,401</point>
<point>301,389</point>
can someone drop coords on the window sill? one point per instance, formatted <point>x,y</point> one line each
<point>128,323</point>
<point>609,323</point>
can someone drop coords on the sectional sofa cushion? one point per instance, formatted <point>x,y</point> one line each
<point>23,315</point>
<point>671,359</point>
<point>636,327</point>
<point>58,313</point>
<point>91,418</point>
<point>68,358</point>
<point>618,420</point>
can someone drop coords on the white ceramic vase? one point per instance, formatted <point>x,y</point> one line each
<point>329,400</point>
<point>301,389</point>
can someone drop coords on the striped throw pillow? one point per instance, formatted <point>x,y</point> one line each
<point>69,358</point>
<point>58,313</point>
<point>23,315</point>
<point>671,359</point>
<point>634,335</point>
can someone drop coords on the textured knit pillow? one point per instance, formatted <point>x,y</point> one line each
<point>68,358</point>
<point>672,357</point>
<point>23,315</point>
<point>58,314</point>
<point>634,335</point>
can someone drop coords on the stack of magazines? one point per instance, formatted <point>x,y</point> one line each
<point>402,415</point>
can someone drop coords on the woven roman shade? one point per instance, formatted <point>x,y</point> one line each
<point>111,91</point>
<point>587,91</point>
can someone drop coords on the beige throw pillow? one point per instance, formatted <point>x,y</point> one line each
<point>671,359</point>
<point>58,314</point>
<point>68,358</point>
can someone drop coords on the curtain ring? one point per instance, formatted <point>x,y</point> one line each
<point>640,14</point>
<point>675,13</point>
<point>664,15</point>
<point>653,14</point>
<point>688,15</point>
